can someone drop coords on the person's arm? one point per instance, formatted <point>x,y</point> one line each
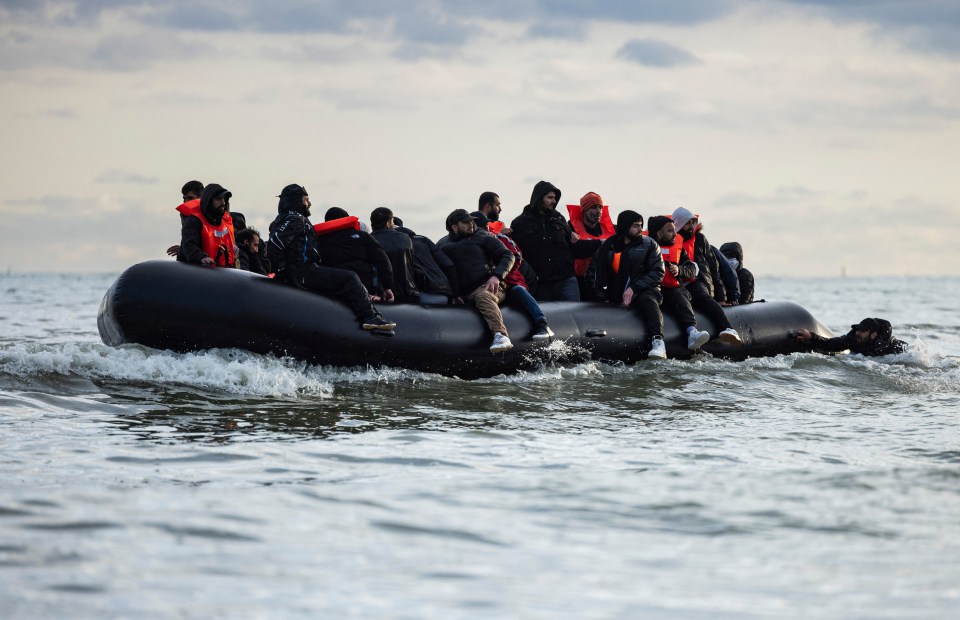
<point>650,274</point>
<point>731,285</point>
<point>687,269</point>
<point>745,279</point>
<point>499,253</point>
<point>191,230</point>
<point>379,258</point>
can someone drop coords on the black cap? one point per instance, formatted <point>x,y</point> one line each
<point>458,215</point>
<point>480,219</point>
<point>293,190</point>
<point>867,325</point>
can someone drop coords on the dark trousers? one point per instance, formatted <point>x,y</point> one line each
<point>701,300</point>
<point>647,303</point>
<point>341,284</point>
<point>559,290</point>
<point>676,302</point>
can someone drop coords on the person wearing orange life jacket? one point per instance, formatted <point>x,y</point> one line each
<point>678,270</point>
<point>701,290</point>
<point>591,220</point>
<point>489,205</point>
<point>628,272</point>
<point>343,245</point>
<point>206,231</point>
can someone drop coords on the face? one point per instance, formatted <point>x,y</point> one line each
<point>219,205</point>
<point>591,215</point>
<point>306,204</point>
<point>865,336</point>
<point>667,234</point>
<point>190,196</point>
<point>689,226</point>
<point>253,244</point>
<point>636,230</point>
<point>549,201</point>
<point>464,229</point>
<point>494,213</point>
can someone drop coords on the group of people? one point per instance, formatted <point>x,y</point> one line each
<point>667,265</point>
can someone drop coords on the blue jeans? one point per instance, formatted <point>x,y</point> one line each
<point>559,290</point>
<point>522,297</point>
<point>433,299</point>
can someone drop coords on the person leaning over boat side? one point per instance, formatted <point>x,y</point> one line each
<point>678,269</point>
<point>550,245</point>
<point>250,259</point>
<point>733,252</point>
<point>191,190</point>
<point>708,280</point>
<point>296,259</point>
<point>516,284</point>
<point>343,245</point>
<point>482,263</point>
<point>206,231</point>
<point>434,272</point>
<point>870,337</point>
<point>629,271</point>
<point>591,220</point>
<point>399,248</point>
<point>489,205</point>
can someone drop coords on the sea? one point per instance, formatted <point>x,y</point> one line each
<point>139,483</point>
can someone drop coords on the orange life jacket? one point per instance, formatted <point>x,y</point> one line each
<point>671,254</point>
<point>217,242</point>
<point>341,223</point>
<point>615,262</point>
<point>495,227</point>
<point>576,221</point>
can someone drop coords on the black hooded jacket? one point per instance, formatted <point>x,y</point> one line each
<point>433,270</point>
<point>399,247</point>
<point>477,257</point>
<point>191,228</point>
<point>544,238</point>
<point>357,251</point>
<point>706,260</point>
<point>733,250</point>
<point>641,267</point>
<point>292,248</point>
<point>885,343</point>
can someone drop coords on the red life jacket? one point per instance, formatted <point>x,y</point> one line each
<point>671,254</point>
<point>576,221</point>
<point>495,228</point>
<point>217,242</point>
<point>341,223</point>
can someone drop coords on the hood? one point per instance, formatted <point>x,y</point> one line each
<point>291,199</point>
<point>541,189</point>
<point>732,249</point>
<point>206,202</point>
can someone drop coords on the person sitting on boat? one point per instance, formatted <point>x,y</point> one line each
<point>191,190</point>
<point>678,270</point>
<point>591,220</point>
<point>516,284</point>
<point>870,337</point>
<point>708,281</point>
<point>251,258</point>
<point>399,248</point>
<point>489,205</point>
<point>206,230</point>
<point>482,263</point>
<point>628,272</point>
<point>550,245</point>
<point>434,272</point>
<point>733,252</point>
<point>295,256</point>
<point>343,245</point>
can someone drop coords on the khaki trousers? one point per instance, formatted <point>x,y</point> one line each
<point>488,305</point>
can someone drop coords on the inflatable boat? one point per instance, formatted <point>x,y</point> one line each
<point>170,305</point>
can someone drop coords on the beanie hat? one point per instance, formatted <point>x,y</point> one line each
<point>591,199</point>
<point>681,216</point>
<point>656,223</point>
<point>335,213</point>
<point>626,219</point>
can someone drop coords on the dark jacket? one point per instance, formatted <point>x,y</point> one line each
<point>191,228</point>
<point>709,274</point>
<point>360,253</point>
<point>885,344</point>
<point>433,270</point>
<point>292,247</point>
<point>544,238</point>
<point>733,250</point>
<point>477,257</point>
<point>248,261</point>
<point>399,248</point>
<point>641,268</point>
<point>728,275</point>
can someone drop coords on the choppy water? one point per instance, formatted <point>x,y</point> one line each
<point>148,484</point>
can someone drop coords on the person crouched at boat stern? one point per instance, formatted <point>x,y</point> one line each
<point>629,270</point>
<point>295,257</point>
<point>472,253</point>
<point>870,337</point>
<point>206,230</point>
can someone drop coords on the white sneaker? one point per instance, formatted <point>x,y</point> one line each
<point>730,336</point>
<point>500,343</point>
<point>697,339</point>
<point>658,349</point>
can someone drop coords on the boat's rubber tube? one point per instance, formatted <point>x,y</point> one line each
<point>170,305</point>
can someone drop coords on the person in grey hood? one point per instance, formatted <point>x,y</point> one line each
<point>550,245</point>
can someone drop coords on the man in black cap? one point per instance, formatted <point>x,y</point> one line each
<point>296,259</point>
<point>870,337</point>
<point>482,263</point>
<point>628,273</point>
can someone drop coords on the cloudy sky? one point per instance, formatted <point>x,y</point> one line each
<point>824,135</point>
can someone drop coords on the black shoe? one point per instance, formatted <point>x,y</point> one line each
<point>543,332</point>
<point>378,322</point>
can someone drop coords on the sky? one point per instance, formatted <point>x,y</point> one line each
<point>824,136</point>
